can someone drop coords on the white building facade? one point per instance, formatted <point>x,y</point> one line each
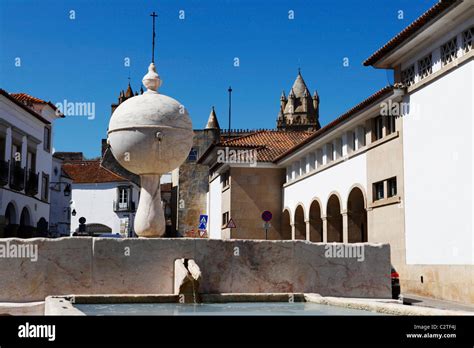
<point>60,190</point>
<point>414,165</point>
<point>105,200</point>
<point>396,168</point>
<point>26,129</point>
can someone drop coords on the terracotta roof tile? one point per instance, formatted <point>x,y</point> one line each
<point>410,30</point>
<point>23,106</point>
<point>83,172</point>
<point>30,100</point>
<point>26,98</point>
<point>269,143</point>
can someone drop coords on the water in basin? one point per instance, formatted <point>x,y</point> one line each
<point>235,308</point>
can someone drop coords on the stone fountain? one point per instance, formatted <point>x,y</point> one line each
<point>150,135</point>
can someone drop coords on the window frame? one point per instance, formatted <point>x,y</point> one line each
<point>354,140</point>
<point>425,66</point>
<point>225,219</point>
<point>391,126</point>
<point>376,196</point>
<point>47,142</point>
<point>448,51</point>
<point>407,76</point>
<point>44,188</point>
<point>225,179</point>
<point>467,36</point>
<point>391,181</point>
<point>195,152</point>
<point>126,189</point>
<point>377,120</point>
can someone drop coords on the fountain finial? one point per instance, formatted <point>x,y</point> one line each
<point>152,80</point>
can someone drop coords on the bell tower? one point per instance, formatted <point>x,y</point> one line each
<point>299,111</point>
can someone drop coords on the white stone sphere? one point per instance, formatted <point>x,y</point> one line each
<point>150,133</point>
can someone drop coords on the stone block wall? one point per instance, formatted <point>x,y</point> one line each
<point>84,265</point>
<point>254,190</point>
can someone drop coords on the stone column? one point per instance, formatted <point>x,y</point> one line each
<point>150,218</point>
<point>308,229</point>
<point>345,227</point>
<point>293,231</point>
<point>24,151</point>
<point>325,229</point>
<point>345,144</point>
<point>8,144</point>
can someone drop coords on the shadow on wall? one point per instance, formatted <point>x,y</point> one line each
<point>124,266</point>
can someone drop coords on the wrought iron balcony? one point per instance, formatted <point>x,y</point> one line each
<point>4,172</point>
<point>32,179</point>
<point>17,176</point>
<point>124,207</point>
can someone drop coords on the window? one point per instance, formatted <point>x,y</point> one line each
<point>329,153</point>
<point>297,169</point>
<point>449,51</point>
<point>303,166</point>
<point>47,139</point>
<point>360,136</point>
<point>16,153</point>
<point>193,155</point>
<point>319,158</point>
<point>45,187</point>
<point>225,179</point>
<point>378,128</point>
<point>467,39</point>
<point>390,124</point>
<point>311,161</point>
<point>225,219</point>
<point>408,75</point>
<point>337,148</point>
<point>392,187</point>
<point>378,191</point>
<point>288,174</point>
<point>425,66</point>
<point>354,140</point>
<point>123,197</point>
<point>2,149</point>
<point>31,161</point>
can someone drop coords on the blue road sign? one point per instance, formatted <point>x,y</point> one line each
<point>203,222</point>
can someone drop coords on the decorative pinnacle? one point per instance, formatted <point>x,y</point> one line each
<point>152,80</point>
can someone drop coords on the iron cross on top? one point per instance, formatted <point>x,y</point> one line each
<point>153,15</point>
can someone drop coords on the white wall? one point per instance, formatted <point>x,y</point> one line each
<point>11,115</point>
<point>340,178</point>
<point>215,204</point>
<point>438,156</point>
<point>95,203</point>
<point>59,215</point>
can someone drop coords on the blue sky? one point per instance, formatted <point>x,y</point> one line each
<point>82,60</point>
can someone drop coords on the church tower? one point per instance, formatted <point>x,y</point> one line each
<point>124,95</point>
<point>299,111</point>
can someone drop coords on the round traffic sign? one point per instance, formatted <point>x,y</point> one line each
<point>266,216</point>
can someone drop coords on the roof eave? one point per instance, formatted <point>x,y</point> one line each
<point>382,57</point>
<point>359,109</point>
<point>24,107</point>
